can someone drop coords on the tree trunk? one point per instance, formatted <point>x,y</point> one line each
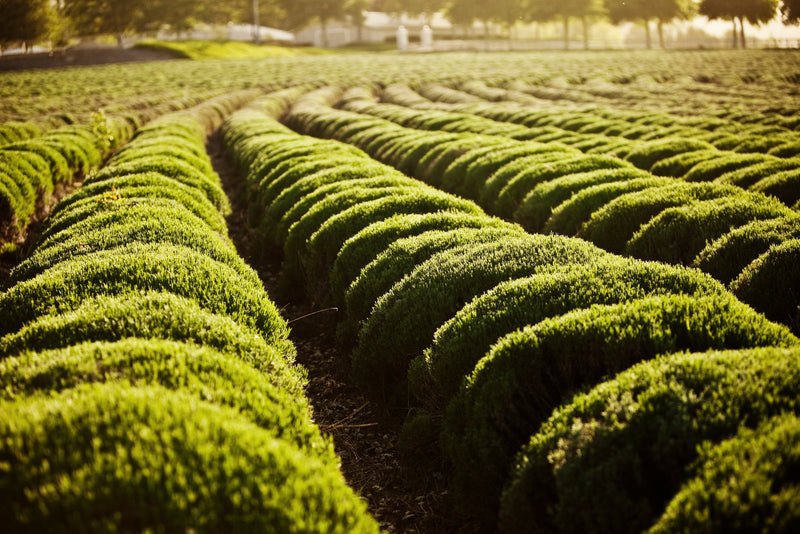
<point>741,25</point>
<point>323,22</point>
<point>661,33</point>
<point>647,36</point>
<point>256,28</point>
<point>120,37</point>
<point>585,22</point>
<point>735,34</point>
<point>566,32</point>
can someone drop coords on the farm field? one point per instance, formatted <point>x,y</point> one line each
<point>569,283</point>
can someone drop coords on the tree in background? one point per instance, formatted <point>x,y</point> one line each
<point>354,10</point>
<point>544,10</point>
<point>117,17</point>
<point>662,11</point>
<point>754,11</point>
<point>790,9</point>
<point>25,21</point>
<point>299,13</point>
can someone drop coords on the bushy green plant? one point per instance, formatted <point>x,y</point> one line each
<point>504,175</point>
<point>363,247</point>
<point>166,166</point>
<point>725,257</point>
<point>677,235</point>
<point>710,170</point>
<point>678,165</point>
<point>324,244</point>
<point>748,176</point>
<point>744,484</point>
<point>115,458</point>
<point>648,154</point>
<point>158,315</point>
<point>538,204</point>
<point>464,339</point>
<point>569,217</point>
<point>613,458</point>
<point>613,225</point>
<point>271,397</point>
<point>784,185</point>
<point>403,320</point>
<point>215,286</point>
<point>770,283</point>
<point>139,223</point>
<point>512,195</point>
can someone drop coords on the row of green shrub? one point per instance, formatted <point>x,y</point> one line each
<point>548,187</point>
<point>650,125</point>
<point>483,328</point>
<point>148,379</point>
<point>31,168</point>
<point>760,158</point>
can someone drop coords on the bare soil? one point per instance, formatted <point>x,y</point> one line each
<point>406,495</point>
<point>73,57</point>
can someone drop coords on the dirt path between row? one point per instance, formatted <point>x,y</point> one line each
<point>404,499</point>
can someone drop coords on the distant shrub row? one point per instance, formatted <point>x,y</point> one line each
<point>32,166</point>
<point>486,329</point>
<point>550,187</point>
<point>148,382</point>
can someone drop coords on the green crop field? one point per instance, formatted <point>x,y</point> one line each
<point>577,275</point>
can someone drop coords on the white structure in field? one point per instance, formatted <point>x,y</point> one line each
<point>402,38</point>
<point>378,27</point>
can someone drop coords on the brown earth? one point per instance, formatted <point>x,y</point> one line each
<point>404,495</point>
<point>72,57</point>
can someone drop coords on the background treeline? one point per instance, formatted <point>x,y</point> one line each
<point>30,21</point>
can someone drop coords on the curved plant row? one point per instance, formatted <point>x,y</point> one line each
<point>31,168</point>
<point>148,382</point>
<point>553,188</point>
<point>486,330</point>
<point>753,158</point>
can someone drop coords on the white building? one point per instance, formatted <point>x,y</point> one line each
<point>378,27</point>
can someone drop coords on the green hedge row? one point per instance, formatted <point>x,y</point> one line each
<point>749,159</point>
<point>32,168</point>
<point>482,328</point>
<point>149,382</point>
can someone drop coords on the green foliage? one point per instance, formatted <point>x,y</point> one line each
<point>158,315</point>
<point>215,286</point>
<point>270,396</point>
<point>324,245</point>
<point>464,339</point>
<point>400,259</point>
<point>127,224</point>
<point>403,321</point>
<point>678,165</point>
<point>679,234</point>
<point>569,217</point>
<point>784,185</point>
<point>770,283</point>
<point>613,458</point>
<point>613,225</point>
<point>749,175</point>
<point>528,373</point>
<point>538,205</point>
<point>725,258</point>
<point>646,155</point>
<point>512,195</point>
<point>364,246</point>
<point>743,484</point>
<point>115,458</point>
<point>710,170</point>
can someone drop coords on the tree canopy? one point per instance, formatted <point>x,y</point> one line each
<point>34,20</point>
<point>24,21</point>
<point>754,11</point>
